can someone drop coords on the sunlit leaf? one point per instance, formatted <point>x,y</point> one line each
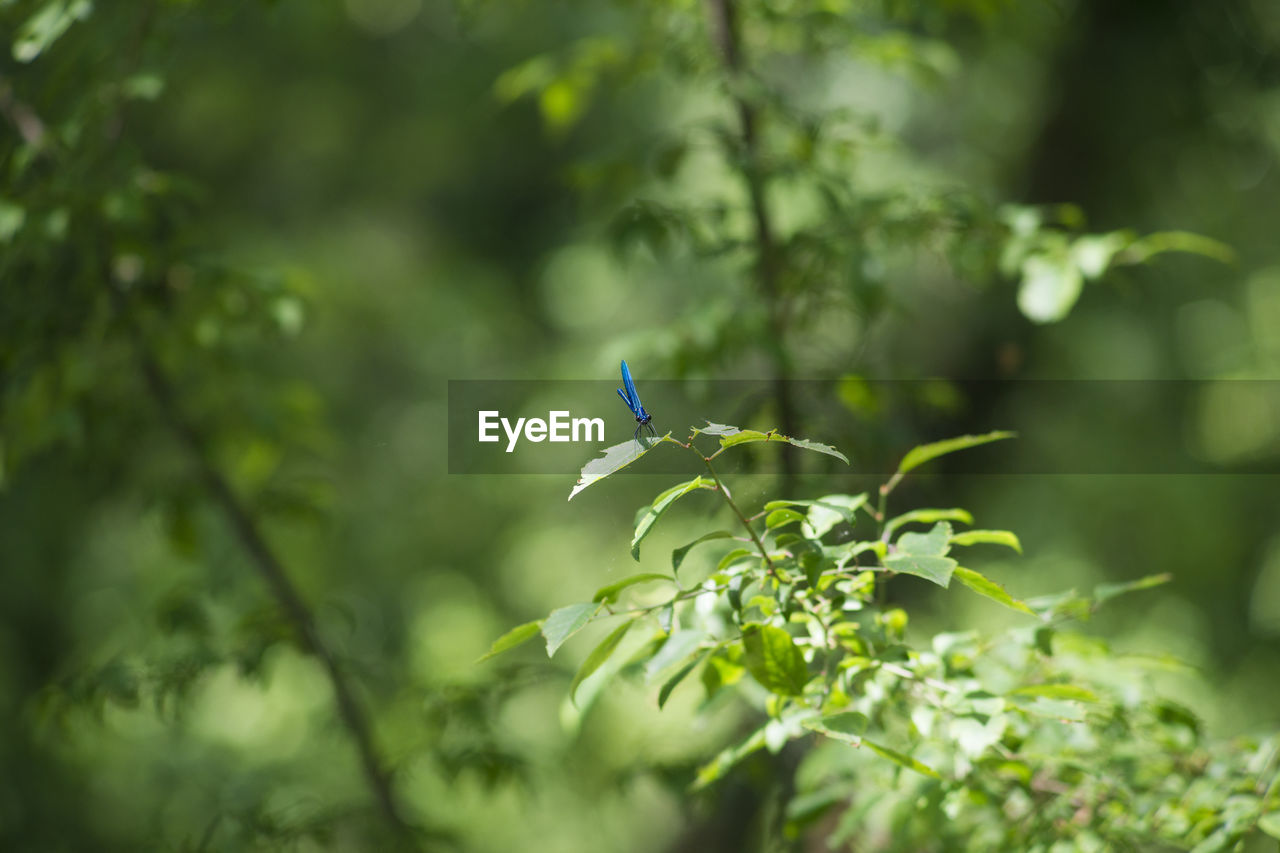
<point>917,456</point>
<point>1050,286</point>
<point>987,537</point>
<point>614,459</point>
<point>774,660</point>
<point>609,594</point>
<point>599,655</point>
<point>678,555</point>
<point>782,517</point>
<point>990,589</point>
<point>902,759</point>
<point>563,623</point>
<point>1108,591</point>
<point>935,569</point>
<point>722,763</point>
<point>847,726</point>
<point>47,25</point>
<point>513,638</point>
<point>674,681</point>
<point>927,516</point>
<point>748,436</point>
<point>1066,692</point>
<point>648,516</point>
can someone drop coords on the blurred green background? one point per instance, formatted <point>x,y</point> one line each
<point>410,214</point>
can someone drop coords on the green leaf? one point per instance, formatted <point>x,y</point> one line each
<point>599,655</point>
<point>925,452</point>
<point>903,760</point>
<point>749,436</point>
<point>609,594</point>
<point>927,516</point>
<point>1177,241</point>
<point>848,726</point>
<point>1270,824</point>
<point>678,555</point>
<point>936,569</point>
<point>614,459</point>
<point>1065,692</point>
<point>564,623</point>
<point>1108,591</point>
<point>677,647</point>
<point>717,429</point>
<point>989,537</point>
<point>924,555</point>
<point>1093,253</point>
<point>722,763</point>
<point>829,510</point>
<point>990,589</point>
<point>47,25</point>
<point>513,638</point>
<point>674,681</point>
<point>649,515</point>
<point>935,543</point>
<point>774,660</point>
<point>733,556</point>
<point>782,517</point>
<point>1051,284</point>
<point>12,216</point>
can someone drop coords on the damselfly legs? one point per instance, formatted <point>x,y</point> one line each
<point>632,399</point>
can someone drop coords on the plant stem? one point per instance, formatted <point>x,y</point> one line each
<point>764,552</point>
<point>268,565</point>
<point>728,39</point>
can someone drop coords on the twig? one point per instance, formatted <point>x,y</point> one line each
<point>728,40</point>
<point>267,564</point>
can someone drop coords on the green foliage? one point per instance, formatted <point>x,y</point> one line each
<point>1026,738</point>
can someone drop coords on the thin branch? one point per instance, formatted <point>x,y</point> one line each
<point>267,564</point>
<point>728,40</point>
<point>764,552</point>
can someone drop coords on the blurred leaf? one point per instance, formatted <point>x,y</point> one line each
<point>47,25</point>
<point>674,681</point>
<point>678,555</point>
<point>925,452</point>
<point>648,516</point>
<point>564,623</point>
<point>1067,692</point>
<point>781,518</point>
<point>1147,247</point>
<point>927,516</point>
<point>990,537</point>
<point>513,638</point>
<point>829,510</point>
<point>725,761</point>
<point>1108,591</point>
<point>677,647</point>
<point>1270,824</point>
<point>774,660</point>
<point>847,726</point>
<point>609,594</point>
<point>902,760</point>
<point>614,459</point>
<point>990,589</point>
<point>12,216</point>
<point>1050,286</point>
<point>935,569</point>
<point>599,655</point>
<point>1092,253</point>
